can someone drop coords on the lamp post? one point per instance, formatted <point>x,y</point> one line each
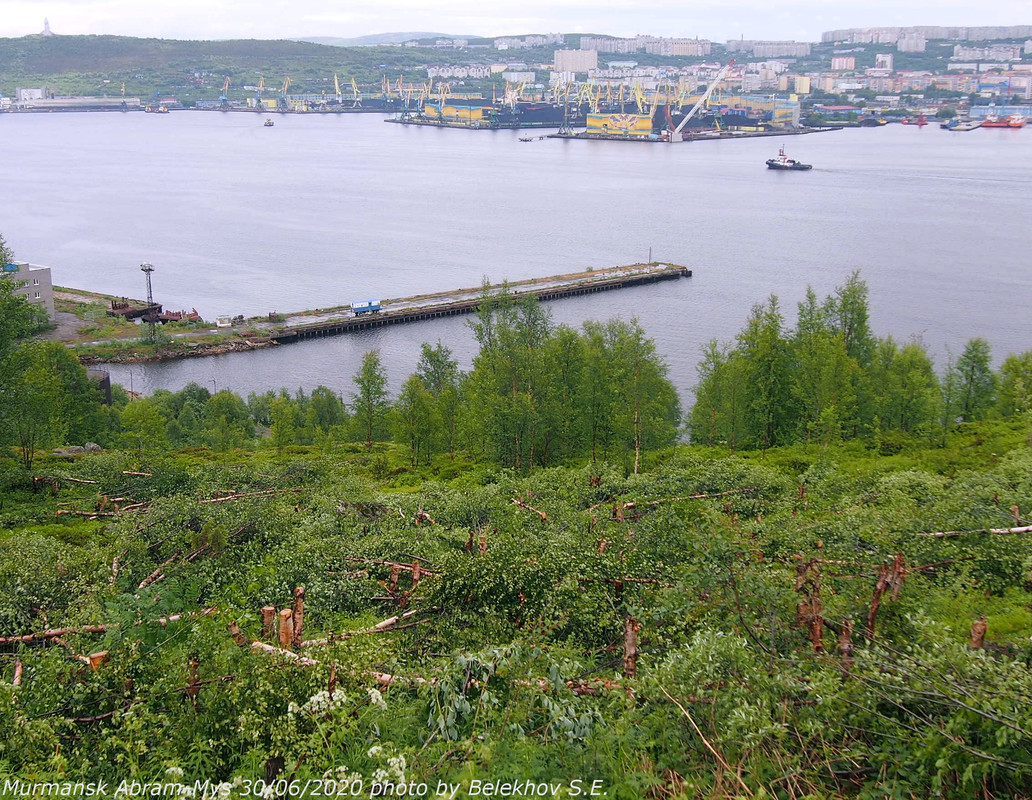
<point>147,269</point>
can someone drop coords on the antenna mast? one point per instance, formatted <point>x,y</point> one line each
<point>151,317</point>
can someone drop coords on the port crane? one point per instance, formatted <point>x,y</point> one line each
<point>336,89</point>
<point>224,97</point>
<point>258,93</point>
<point>357,97</point>
<point>702,100</point>
<point>283,95</point>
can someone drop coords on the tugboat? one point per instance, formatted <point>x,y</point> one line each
<point>784,162</point>
<point>269,123</point>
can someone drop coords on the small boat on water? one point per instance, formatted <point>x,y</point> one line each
<point>920,121</point>
<point>526,138</point>
<point>784,162</point>
<point>269,123</point>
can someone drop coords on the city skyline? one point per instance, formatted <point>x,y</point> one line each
<point>276,19</point>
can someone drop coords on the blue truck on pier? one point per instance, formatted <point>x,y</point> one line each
<point>365,307</point>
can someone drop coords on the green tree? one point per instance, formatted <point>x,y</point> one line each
<point>327,409</point>
<point>1015,385</point>
<point>718,415</point>
<point>847,312</point>
<point>764,352</point>
<point>284,422</point>
<point>436,368</point>
<point>442,379</point>
<point>51,401</point>
<point>226,422</point>
<point>976,381</point>
<point>144,426</point>
<point>415,424</point>
<point>369,404</point>
<point>648,410</point>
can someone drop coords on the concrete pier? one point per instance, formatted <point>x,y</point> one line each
<point>426,307</point>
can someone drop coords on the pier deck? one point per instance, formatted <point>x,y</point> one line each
<point>466,301</point>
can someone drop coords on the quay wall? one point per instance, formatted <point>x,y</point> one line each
<point>468,306</point>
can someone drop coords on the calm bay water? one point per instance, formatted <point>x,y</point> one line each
<point>322,210</point>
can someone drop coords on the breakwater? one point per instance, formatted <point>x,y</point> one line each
<point>466,301</point>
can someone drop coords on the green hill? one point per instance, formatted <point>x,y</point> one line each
<point>98,65</point>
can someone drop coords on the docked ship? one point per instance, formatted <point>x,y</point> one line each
<point>1013,121</point>
<point>784,162</point>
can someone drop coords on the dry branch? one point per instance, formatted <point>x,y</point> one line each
<point>521,504</point>
<point>890,579</point>
<point>156,575</point>
<point>998,531</point>
<point>652,503</point>
<point>390,624</point>
<point>268,648</point>
<point>403,567</point>
<point>54,633</point>
<point>240,495</point>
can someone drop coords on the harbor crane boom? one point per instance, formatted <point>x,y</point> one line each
<point>709,90</point>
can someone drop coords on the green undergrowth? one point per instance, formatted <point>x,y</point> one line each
<point>740,573</point>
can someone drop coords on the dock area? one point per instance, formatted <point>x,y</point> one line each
<point>466,301</point>
<point>695,136</point>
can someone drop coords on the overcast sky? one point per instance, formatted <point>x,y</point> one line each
<point>717,20</point>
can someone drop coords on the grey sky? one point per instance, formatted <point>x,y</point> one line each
<point>711,19</point>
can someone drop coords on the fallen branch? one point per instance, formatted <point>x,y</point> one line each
<point>617,581</point>
<point>54,633</point>
<point>709,747</point>
<point>392,564</point>
<point>387,625</point>
<point>239,495</point>
<point>140,474</point>
<point>632,504</point>
<point>268,648</point>
<point>156,575</point>
<point>521,504</point>
<point>998,531</point>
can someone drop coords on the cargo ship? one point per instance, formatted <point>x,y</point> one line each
<point>1013,121</point>
<point>491,116</point>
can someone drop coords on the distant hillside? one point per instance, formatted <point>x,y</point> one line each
<point>374,39</point>
<point>194,69</point>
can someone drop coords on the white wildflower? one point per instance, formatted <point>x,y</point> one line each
<point>374,751</point>
<point>381,776</point>
<point>376,699</point>
<point>397,766</point>
<point>175,773</point>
